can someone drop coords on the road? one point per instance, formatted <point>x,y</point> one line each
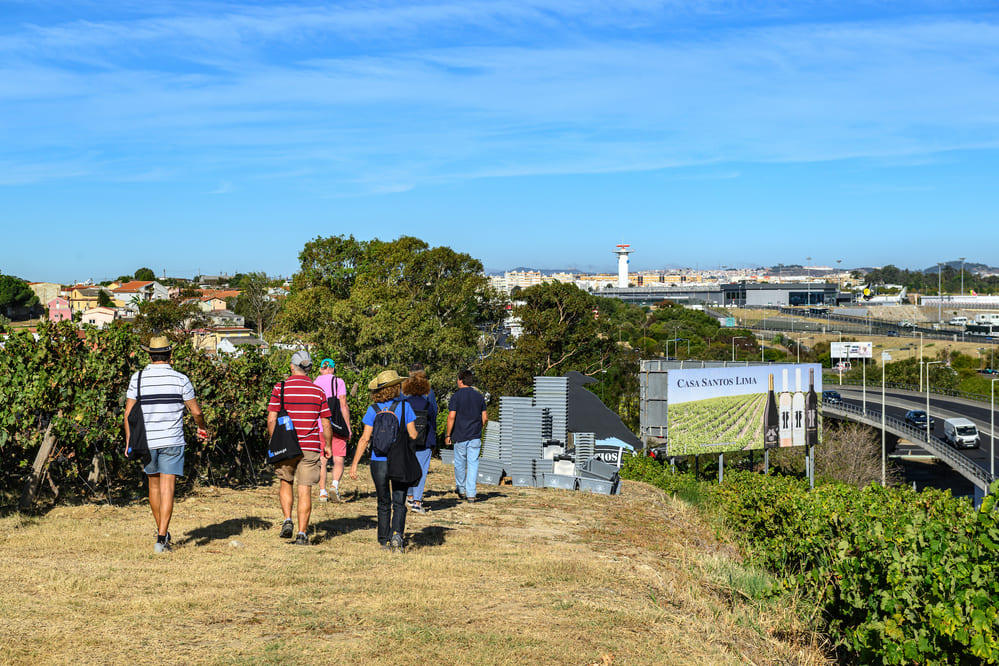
<point>941,407</point>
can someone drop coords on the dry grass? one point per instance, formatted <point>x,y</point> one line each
<point>527,576</point>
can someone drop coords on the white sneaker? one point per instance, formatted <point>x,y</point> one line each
<point>336,493</point>
<point>323,495</point>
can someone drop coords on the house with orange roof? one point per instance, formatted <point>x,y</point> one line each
<point>99,317</point>
<point>130,294</point>
<point>83,297</point>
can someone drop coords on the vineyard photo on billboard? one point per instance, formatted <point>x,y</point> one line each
<point>719,410</point>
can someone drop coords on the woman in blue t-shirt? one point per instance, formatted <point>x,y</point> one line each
<point>391,495</point>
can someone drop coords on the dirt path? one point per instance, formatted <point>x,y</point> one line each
<point>524,576</point>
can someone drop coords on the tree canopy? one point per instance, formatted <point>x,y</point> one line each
<point>391,303</point>
<point>253,302</point>
<point>146,274</point>
<point>14,292</point>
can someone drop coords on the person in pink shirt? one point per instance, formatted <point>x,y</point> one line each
<point>333,386</point>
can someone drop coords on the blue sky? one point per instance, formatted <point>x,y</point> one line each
<point>211,137</point>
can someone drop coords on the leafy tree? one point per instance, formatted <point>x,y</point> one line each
<point>389,303</point>
<point>103,299</point>
<point>145,274</point>
<point>254,304</point>
<point>560,331</point>
<point>14,292</point>
<point>166,317</point>
<point>566,328</point>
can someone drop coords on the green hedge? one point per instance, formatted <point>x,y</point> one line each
<point>901,577</point>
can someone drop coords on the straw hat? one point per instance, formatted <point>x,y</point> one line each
<point>385,378</point>
<point>158,344</point>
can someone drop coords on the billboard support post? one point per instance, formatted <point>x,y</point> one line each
<point>766,462</point>
<point>721,467</point>
<point>811,478</point>
<point>864,385</point>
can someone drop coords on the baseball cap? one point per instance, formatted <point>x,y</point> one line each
<point>327,363</point>
<point>302,359</point>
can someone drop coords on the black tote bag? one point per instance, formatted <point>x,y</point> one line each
<point>337,422</point>
<point>284,440</point>
<point>137,448</point>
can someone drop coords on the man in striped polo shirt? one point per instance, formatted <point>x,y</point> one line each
<point>164,392</point>
<point>310,415</point>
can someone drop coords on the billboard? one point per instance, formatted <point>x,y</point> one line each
<point>718,410</point>
<point>851,350</point>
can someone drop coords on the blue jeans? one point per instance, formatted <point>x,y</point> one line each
<point>391,497</point>
<point>168,460</point>
<point>466,465</point>
<point>416,491</point>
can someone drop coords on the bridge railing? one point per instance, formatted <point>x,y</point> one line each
<point>967,468</point>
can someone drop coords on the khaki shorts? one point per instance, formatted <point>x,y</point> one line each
<point>306,468</point>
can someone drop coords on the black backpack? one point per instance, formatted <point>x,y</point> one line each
<point>386,429</point>
<point>422,421</point>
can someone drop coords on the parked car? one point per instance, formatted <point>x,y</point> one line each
<point>831,397</point>
<point>905,323</point>
<point>892,333</point>
<point>917,417</point>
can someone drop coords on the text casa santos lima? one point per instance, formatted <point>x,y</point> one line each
<point>705,382</point>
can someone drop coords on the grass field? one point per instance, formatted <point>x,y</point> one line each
<point>526,576</point>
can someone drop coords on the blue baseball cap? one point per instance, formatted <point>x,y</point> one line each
<point>328,363</point>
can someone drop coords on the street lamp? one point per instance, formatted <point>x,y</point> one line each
<point>885,356</point>
<point>992,430</point>
<point>738,337</point>
<point>797,347</point>
<point>962,276</point>
<point>928,364</point>
<point>920,360</point>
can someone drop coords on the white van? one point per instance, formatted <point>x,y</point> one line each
<point>961,433</point>
<point>958,321</point>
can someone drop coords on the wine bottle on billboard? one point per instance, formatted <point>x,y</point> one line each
<point>811,412</point>
<point>784,405</point>
<point>771,417</point>
<point>798,411</point>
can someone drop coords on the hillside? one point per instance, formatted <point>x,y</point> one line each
<point>525,576</point>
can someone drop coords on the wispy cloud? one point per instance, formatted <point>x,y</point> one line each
<point>354,94</point>
<point>224,188</point>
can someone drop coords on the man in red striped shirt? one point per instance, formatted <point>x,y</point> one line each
<point>310,414</point>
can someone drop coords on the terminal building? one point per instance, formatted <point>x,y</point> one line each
<point>737,294</point>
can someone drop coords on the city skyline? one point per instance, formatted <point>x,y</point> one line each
<point>202,137</point>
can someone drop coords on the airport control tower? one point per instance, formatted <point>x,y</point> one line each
<point>622,253</point>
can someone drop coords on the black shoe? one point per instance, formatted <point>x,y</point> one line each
<point>396,543</point>
<point>287,529</point>
<point>461,493</point>
<point>470,500</point>
<point>302,539</point>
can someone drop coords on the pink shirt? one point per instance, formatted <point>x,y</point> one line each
<point>325,382</point>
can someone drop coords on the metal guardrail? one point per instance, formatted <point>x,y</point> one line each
<point>969,469</point>
<point>977,397</point>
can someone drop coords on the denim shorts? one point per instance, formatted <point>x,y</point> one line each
<point>168,460</point>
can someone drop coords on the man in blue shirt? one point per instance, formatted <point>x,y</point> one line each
<point>466,417</point>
